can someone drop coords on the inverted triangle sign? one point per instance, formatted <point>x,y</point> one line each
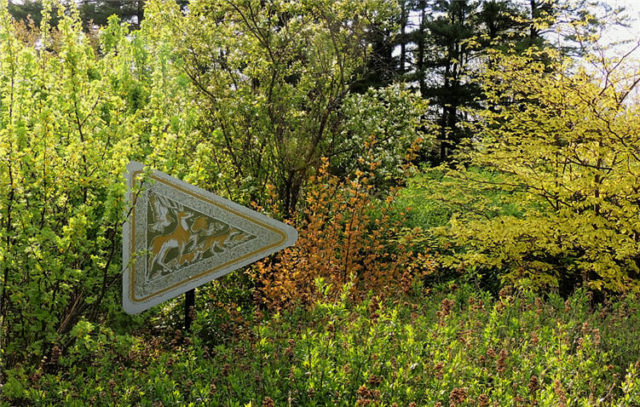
<point>178,237</point>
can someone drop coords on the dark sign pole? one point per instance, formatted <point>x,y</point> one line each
<point>189,306</point>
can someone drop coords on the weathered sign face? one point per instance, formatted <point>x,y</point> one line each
<point>179,236</point>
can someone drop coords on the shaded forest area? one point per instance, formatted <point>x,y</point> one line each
<point>464,177</point>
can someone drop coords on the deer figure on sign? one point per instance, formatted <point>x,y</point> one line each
<point>209,236</point>
<point>178,239</point>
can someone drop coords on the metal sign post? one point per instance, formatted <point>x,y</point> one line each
<point>189,307</point>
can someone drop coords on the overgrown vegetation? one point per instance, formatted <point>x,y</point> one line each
<point>346,235</point>
<point>506,276</point>
<point>462,347</point>
<point>563,150</point>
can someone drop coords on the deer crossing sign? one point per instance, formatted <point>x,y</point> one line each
<point>178,237</point>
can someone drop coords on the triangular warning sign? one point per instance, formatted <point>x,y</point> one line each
<point>178,237</point>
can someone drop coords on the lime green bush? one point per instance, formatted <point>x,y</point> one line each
<point>459,347</point>
<point>563,143</point>
<point>64,141</point>
<point>73,113</point>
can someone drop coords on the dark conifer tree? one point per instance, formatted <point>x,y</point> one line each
<point>94,12</point>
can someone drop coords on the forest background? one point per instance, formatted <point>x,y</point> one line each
<point>464,175</point>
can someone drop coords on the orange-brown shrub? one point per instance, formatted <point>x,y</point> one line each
<point>346,233</point>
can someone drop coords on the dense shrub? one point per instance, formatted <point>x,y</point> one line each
<point>231,96</point>
<point>76,107</point>
<point>346,234</point>
<point>560,143</point>
<point>64,140</point>
<point>458,348</point>
<point>272,80</point>
<point>73,113</point>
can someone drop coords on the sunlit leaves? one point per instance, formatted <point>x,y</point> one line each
<point>564,141</point>
<point>269,80</point>
<point>69,123</point>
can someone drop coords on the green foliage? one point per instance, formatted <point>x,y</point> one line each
<point>272,86</point>
<point>98,12</point>
<point>234,96</point>
<point>461,348</point>
<point>92,12</point>
<point>64,139</point>
<point>432,197</point>
<point>380,127</point>
<point>76,108</point>
<point>561,146</point>
<point>70,119</point>
<point>29,9</point>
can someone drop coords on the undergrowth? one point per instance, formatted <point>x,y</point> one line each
<point>452,347</point>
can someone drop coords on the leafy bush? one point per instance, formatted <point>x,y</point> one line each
<point>271,82</point>
<point>76,107</point>
<point>346,233</point>
<point>71,117</point>
<point>561,144</point>
<point>459,347</point>
<point>391,116</point>
<point>65,139</point>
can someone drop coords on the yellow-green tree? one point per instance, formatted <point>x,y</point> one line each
<point>561,144</point>
<point>72,115</point>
